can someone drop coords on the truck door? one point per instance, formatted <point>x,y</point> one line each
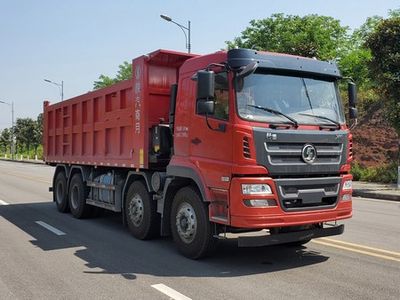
<point>211,144</point>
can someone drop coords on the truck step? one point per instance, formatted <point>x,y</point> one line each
<point>101,185</point>
<point>104,205</point>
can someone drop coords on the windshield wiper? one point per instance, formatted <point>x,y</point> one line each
<point>323,118</point>
<point>276,112</point>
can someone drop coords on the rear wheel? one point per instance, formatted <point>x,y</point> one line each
<point>78,194</point>
<point>60,194</point>
<point>141,212</point>
<point>191,229</point>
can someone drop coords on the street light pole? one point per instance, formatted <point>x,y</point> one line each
<point>62,90</point>
<point>12,128</point>
<point>60,85</point>
<point>189,45</point>
<point>187,36</point>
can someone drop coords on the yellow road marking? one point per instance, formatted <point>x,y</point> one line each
<point>329,244</point>
<point>28,177</point>
<point>361,246</point>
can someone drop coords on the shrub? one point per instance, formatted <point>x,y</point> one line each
<point>383,174</point>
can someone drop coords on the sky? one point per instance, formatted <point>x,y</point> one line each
<point>75,41</point>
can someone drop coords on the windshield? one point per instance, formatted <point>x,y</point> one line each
<point>307,100</point>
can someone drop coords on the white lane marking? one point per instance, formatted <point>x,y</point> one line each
<point>170,292</point>
<point>50,228</point>
<point>3,202</point>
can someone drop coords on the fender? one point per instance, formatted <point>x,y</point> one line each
<point>85,171</point>
<point>62,166</point>
<point>192,173</point>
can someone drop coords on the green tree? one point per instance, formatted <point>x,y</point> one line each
<point>384,44</point>
<point>5,139</point>
<point>103,81</point>
<point>37,133</point>
<point>25,133</point>
<point>311,36</point>
<point>360,35</point>
<point>124,73</point>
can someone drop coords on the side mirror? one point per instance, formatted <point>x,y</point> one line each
<point>353,113</point>
<point>352,90</point>
<point>205,107</point>
<point>247,70</point>
<point>205,84</point>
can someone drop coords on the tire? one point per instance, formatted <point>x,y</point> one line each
<point>190,227</point>
<point>78,193</point>
<point>60,193</point>
<point>141,212</point>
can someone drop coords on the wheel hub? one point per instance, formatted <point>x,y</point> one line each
<point>136,210</point>
<point>186,222</point>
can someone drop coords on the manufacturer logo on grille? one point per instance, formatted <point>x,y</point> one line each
<point>271,136</point>
<point>309,153</point>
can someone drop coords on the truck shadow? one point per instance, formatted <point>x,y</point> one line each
<point>106,245</point>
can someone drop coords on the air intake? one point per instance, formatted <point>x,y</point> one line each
<point>246,147</point>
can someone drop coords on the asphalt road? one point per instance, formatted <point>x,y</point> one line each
<point>97,258</point>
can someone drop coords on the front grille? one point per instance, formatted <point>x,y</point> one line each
<point>310,193</point>
<point>290,153</point>
<point>280,151</point>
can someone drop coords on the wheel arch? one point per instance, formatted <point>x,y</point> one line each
<point>192,175</point>
<point>83,170</point>
<point>172,186</point>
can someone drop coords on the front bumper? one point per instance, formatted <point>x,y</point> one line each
<point>242,216</point>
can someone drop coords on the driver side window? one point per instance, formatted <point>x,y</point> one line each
<point>221,96</point>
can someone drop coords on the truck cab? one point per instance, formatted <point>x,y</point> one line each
<point>264,138</point>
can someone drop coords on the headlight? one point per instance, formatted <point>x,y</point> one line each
<point>256,189</point>
<point>347,185</point>
<point>346,197</point>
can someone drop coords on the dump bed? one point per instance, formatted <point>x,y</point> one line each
<point>110,126</point>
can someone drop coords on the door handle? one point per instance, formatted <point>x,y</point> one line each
<point>196,141</point>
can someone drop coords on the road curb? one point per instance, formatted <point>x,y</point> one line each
<point>36,162</point>
<point>376,195</point>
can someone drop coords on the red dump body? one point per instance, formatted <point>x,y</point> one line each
<point>110,126</point>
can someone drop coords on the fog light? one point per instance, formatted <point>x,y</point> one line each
<point>260,202</point>
<point>346,197</point>
<point>347,185</point>
<point>256,189</point>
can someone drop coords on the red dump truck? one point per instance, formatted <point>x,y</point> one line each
<point>197,146</point>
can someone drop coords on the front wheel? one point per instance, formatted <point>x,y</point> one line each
<point>191,229</point>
